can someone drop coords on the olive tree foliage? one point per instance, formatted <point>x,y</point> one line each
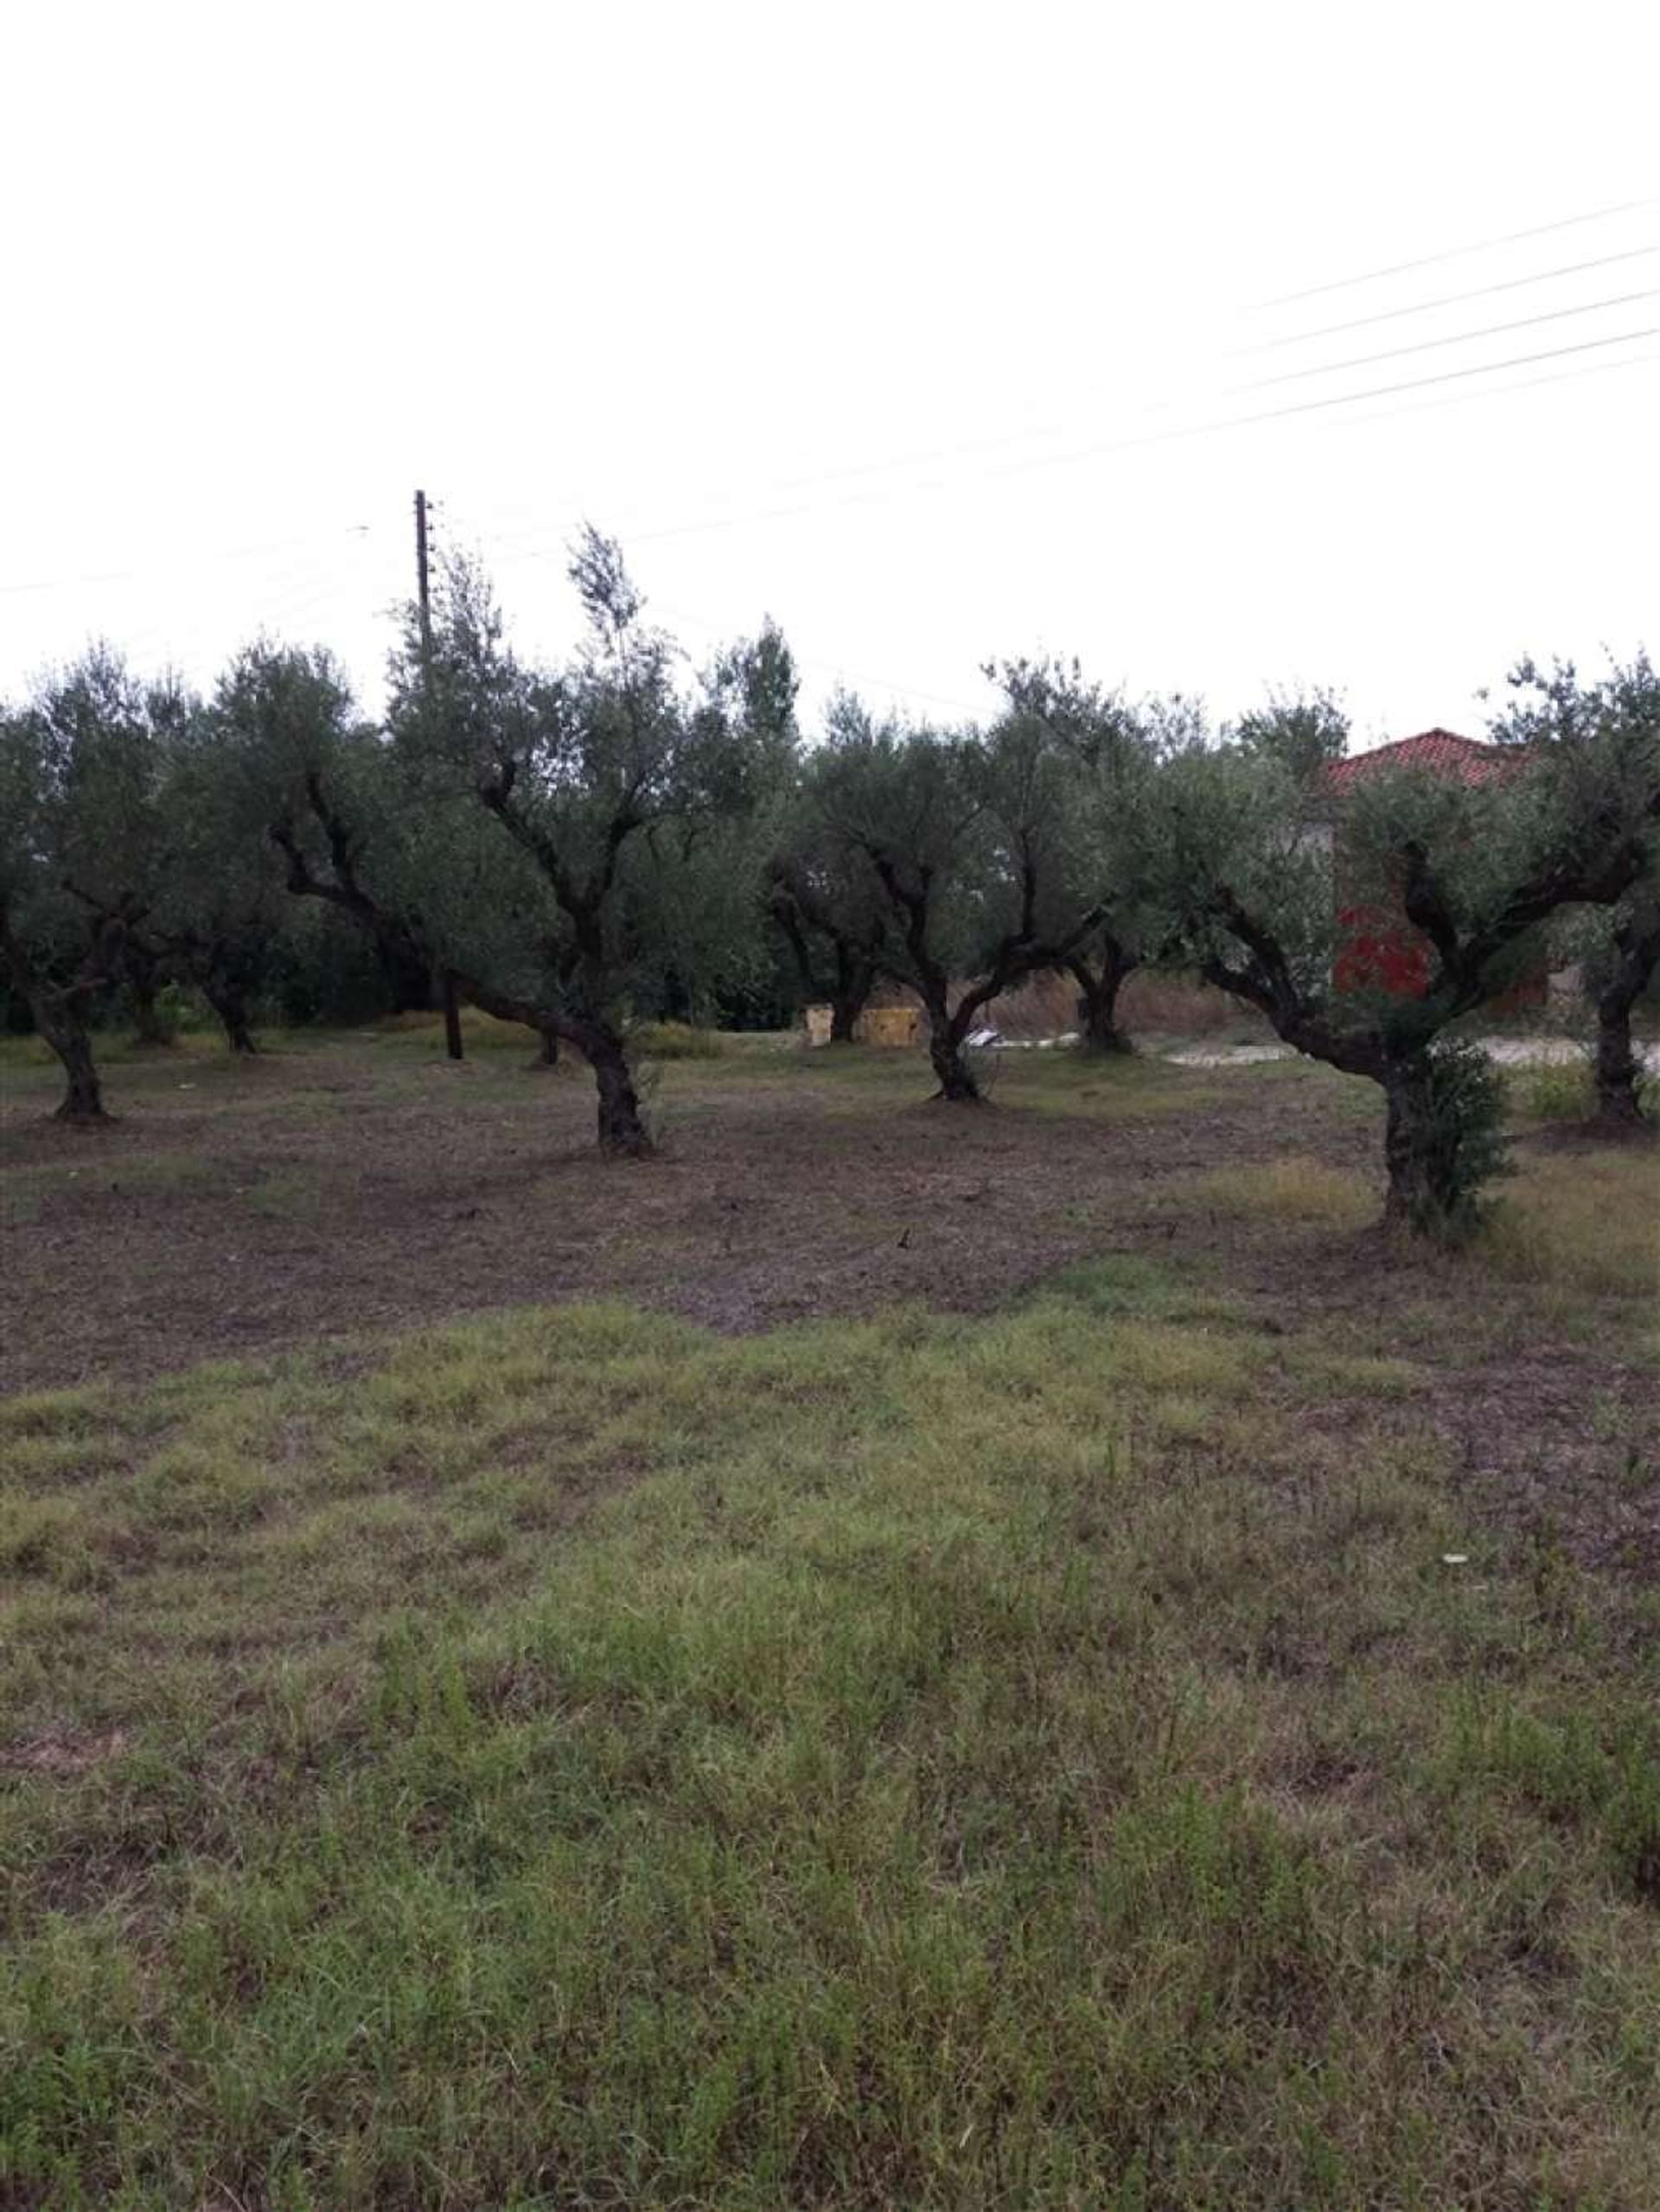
<point>48,956</point>
<point>822,893</point>
<point>106,740</point>
<point>296,759</point>
<point>1576,730</point>
<point>1108,752</point>
<point>1301,731</point>
<point>1476,869</point>
<point>556,841</point>
<point>214,910</point>
<point>699,907</point>
<point>964,837</point>
<point>91,850</point>
<point>830,911</point>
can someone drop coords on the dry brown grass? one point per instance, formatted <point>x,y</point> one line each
<point>1586,1219</point>
<point>1291,1190</point>
<point>1152,1003</point>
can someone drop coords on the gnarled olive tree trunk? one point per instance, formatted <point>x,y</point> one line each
<point>231,1005</point>
<point>1098,989</point>
<point>60,1023</point>
<point>58,1012</point>
<point>1618,1073</point>
<point>408,972</point>
<point>1416,1152</point>
<point>1443,1102</point>
<point>621,1126</point>
<point>143,973</point>
<point>958,1083</point>
<point>855,981</point>
<point>453,1045</point>
<point>797,913</point>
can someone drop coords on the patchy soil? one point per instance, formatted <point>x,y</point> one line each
<point>66,1751</point>
<point>365,1184</point>
<point>360,1187</point>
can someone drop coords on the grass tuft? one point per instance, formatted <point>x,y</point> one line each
<point>676,1041</point>
<point>1298,1191</point>
<point>1590,1222</point>
<point>1552,1090</point>
<point>575,1757</point>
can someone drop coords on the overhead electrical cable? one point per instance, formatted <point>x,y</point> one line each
<point>1499,392</point>
<point>1453,338</point>
<point>931,456</point>
<point>188,560</point>
<point>1156,437</point>
<point>877,494</point>
<point>1446,299</point>
<point>1455,253</point>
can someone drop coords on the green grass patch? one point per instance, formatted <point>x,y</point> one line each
<point>1296,1191</point>
<point>480,1032</point>
<point>569,1758</point>
<point>1107,1087</point>
<point>1552,1090</point>
<point>90,1172</point>
<point>676,1041</point>
<point>1578,1223</point>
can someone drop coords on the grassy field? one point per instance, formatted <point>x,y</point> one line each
<point>1027,1661</point>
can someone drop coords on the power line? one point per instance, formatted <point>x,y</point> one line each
<point>1499,392</point>
<point>879,494</point>
<point>1457,338</point>
<point>1452,253</point>
<point>990,444</point>
<point>1447,299</point>
<point>1162,437</point>
<point>187,561</point>
<point>1336,399</point>
<point>932,456</point>
<point>1176,434</point>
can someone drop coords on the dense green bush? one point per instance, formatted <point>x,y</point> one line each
<point>1466,1148</point>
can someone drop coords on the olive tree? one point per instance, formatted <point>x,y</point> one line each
<point>1476,869</point>
<point>1574,727</point>
<point>537,835</point>
<point>49,958</point>
<point>1619,968</point>
<point>703,909</point>
<point>828,905</point>
<point>1304,732</point>
<point>156,836</point>
<point>90,846</point>
<point>105,739</point>
<point>963,834</point>
<point>217,912</point>
<point>1108,752</point>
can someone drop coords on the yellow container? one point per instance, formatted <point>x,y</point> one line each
<point>817,1020</point>
<point>890,1025</point>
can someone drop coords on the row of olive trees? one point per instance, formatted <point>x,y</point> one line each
<point>1083,834</point>
<point>561,846</point>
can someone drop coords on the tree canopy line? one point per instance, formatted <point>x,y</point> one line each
<point>621,836</point>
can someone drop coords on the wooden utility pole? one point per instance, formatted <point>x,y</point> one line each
<point>452,1038</point>
<point>423,581</point>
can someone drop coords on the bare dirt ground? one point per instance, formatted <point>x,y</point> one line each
<point>367,1185</point>
<point>362,1184</point>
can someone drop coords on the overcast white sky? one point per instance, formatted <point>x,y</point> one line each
<point>929,329</point>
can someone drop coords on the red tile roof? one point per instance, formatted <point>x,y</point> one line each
<point>1465,760</point>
